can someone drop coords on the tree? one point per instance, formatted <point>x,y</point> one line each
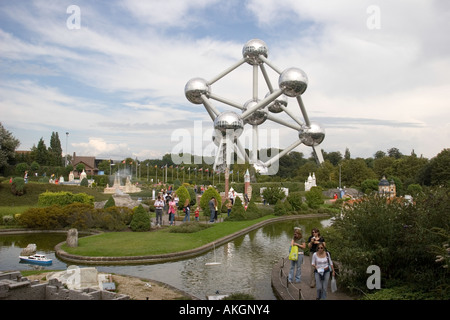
<point>347,154</point>
<point>440,168</point>
<point>8,145</point>
<point>394,153</point>
<point>40,153</point>
<point>55,150</point>
<point>355,171</point>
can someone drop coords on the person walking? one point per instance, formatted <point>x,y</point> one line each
<point>187,210</point>
<point>212,209</point>
<point>229,206</point>
<point>321,261</point>
<point>159,206</point>
<point>172,211</point>
<point>298,241</point>
<point>313,241</point>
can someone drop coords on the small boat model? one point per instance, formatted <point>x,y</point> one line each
<point>36,259</point>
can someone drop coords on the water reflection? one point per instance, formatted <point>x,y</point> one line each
<point>245,263</point>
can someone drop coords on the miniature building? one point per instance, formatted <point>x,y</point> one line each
<point>310,182</point>
<point>89,164</point>
<point>386,188</point>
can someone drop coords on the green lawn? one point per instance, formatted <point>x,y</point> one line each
<point>119,244</point>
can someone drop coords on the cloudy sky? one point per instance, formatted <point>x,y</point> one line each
<point>112,73</point>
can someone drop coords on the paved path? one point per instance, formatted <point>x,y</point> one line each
<point>298,291</point>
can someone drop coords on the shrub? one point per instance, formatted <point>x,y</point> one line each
<point>237,211</point>
<point>48,218</point>
<point>279,209</point>
<point>84,182</point>
<point>314,197</point>
<point>80,215</point>
<point>182,194</point>
<point>189,227</point>
<point>18,187</point>
<point>398,237</point>
<point>295,200</point>
<point>206,196</point>
<point>273,194</point>
<point>63,198</point>
<point>140,220</point>
<point>109,203</point>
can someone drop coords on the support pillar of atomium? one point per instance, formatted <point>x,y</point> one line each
<point>228,125</point>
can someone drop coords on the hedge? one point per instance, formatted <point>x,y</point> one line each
<point>63,198</point>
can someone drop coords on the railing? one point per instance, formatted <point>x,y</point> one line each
<point>285,283</point>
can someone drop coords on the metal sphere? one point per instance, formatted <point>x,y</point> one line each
<point>276,106</point>
<point>313,135</point>
<point>194,88</point>
<point>293,82</point>
<point>229,122</point>
<point>257,117</point>
<point>253,49</point>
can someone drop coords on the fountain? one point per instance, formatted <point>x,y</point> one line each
<point>118,189</point>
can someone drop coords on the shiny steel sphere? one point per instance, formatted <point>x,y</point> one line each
<point>229,122</point>
<point>293,82</point>
<point>313,135</point>
<point>275,107</point>
<point>257,117</point>
<point>252,49</point>
<point>194,88</point>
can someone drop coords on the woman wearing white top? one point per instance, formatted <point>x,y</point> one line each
<point>321,261</point>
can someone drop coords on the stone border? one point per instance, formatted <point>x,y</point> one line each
<point>171,256</point>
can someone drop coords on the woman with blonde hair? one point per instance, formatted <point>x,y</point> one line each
<point>298,241</point>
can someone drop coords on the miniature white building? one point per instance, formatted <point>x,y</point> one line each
<point>310,182</point>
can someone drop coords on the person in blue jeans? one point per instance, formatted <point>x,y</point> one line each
<point>323,265</point>
<point>296,266</point>
<point>212,208</point>
<point>187,210</point>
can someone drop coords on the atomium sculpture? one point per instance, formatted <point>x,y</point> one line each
<point>229,125</point>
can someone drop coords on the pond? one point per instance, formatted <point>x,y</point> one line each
<point>245,263</point>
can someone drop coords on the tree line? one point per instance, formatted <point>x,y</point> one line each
<point>337,170</point>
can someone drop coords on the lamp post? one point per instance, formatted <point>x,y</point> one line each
<point>67,137</point>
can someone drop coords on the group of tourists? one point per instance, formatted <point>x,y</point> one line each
<point>321,264</point>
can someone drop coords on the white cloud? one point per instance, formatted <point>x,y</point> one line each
<point>121,77</point>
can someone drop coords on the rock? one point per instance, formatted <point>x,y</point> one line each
<point>29,250</point>
<point>72,238</point>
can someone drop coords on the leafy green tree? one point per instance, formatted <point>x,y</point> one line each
<point>440,168</point>
<point>21,168</point>
<point>355,171</point>
<point>8,146</point>
<point>369,185</point>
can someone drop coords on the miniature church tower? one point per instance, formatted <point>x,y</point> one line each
<point>310,182</point>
